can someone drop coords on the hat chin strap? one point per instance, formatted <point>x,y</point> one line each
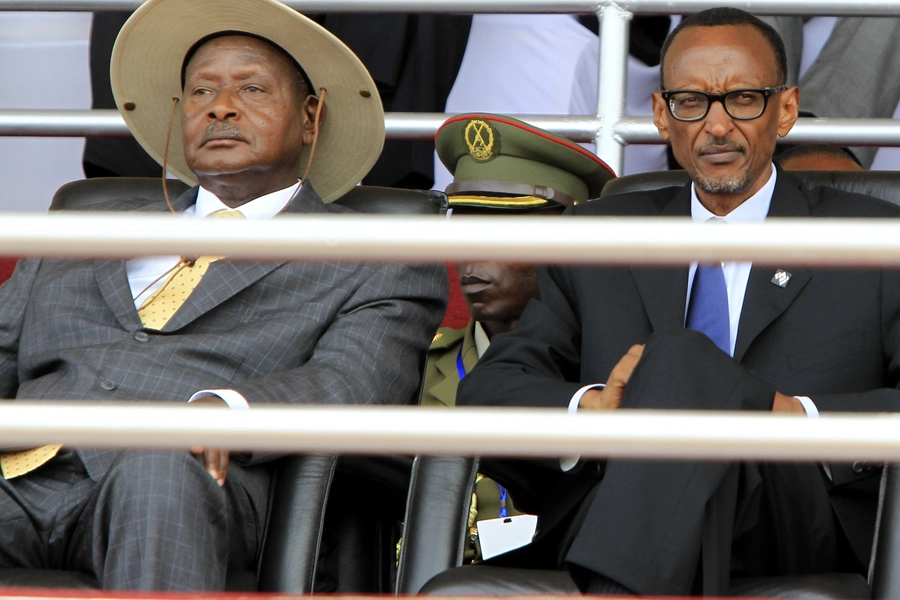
<point>315,140</point>
<point>165,162</point>
<point>184,260</point>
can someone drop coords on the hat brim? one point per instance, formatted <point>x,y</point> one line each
<point>145,72</point>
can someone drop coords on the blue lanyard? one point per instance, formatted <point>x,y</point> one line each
<point>462,375</point>
<point>459,365</point>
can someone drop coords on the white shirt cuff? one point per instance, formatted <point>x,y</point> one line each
<point>812,412</point>
<point>230,397</point>
<point>808,405</point>
<point>567,463</point>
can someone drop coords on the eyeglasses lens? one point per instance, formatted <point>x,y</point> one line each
<point>740,104</point>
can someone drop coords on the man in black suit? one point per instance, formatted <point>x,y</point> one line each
<point>788,339</point>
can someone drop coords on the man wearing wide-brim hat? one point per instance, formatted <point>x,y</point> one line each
<point>500,166</point>
<point>270,114</point>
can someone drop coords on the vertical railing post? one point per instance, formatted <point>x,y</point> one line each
<point>611,81</point>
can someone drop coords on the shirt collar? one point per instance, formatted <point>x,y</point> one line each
<point>482,341</point>
<point>264,207</point>
<point>754,208</point>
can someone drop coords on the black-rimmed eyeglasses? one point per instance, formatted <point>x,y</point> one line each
<point>744,105</point>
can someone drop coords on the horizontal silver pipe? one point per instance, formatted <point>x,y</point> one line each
<point>587,240</point>
<point>62,123</point>
<point>399,126</point>
<point>773,7</point>
<point>423,126</point>
<point>850,132</point>
<point>460,431</point>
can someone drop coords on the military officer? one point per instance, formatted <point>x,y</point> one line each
<point>500,166</point>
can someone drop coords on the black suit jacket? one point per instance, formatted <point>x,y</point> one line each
<point>831,334</point>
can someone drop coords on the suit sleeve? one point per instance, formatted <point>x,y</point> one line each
<point>538,363</point>
<point>14,295</point>
<point>373,350</point>
<point>886,399</point>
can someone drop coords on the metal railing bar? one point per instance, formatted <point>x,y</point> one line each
<point>460,431</point>
<point>858,8</point>
<point>611,78</point>
<point>584,240</point>
<point>422,126</point>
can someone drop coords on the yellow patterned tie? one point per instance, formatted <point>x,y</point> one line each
<point>154,313</point>
<point>161,306</point>
<point>13,464</point>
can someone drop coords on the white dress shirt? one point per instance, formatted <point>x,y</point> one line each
<point>482,341</point>
<point>147,274</point>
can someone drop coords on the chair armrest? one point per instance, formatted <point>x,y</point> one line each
<point>290,552</point>
<point>436,523</point>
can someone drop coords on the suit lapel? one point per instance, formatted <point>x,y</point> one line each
<point>765,301</point>
<point>663,290</point>
<point>445,390</point>
<point>112,278</point>
<point>226,278</point>
<point>113,282</point>
<point>223,280</point>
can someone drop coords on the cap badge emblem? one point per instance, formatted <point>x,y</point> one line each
<point>481,139</point>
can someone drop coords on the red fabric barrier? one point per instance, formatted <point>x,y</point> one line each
<point>7,264</point>
<point>457,315</point>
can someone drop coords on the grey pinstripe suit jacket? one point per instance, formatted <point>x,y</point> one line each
<point>277,332</point>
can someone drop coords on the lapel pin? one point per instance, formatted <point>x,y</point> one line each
<point>781,278</point>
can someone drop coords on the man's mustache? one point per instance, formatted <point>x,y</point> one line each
<point>720,147</point>
<point>221,131</point>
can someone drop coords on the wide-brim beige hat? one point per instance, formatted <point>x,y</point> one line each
<point>146,76</point>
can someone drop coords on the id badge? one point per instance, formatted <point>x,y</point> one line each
<point>497,536</point>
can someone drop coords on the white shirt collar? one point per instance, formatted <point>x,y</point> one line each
<point>754,208</point>
<point>264,207</point>
<point>482,341</point>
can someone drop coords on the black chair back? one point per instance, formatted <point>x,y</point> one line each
<point>85,194</point>
<point>880,184</point>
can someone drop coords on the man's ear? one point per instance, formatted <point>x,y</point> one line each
<point>660,115</point>
<point>310,127</point>
<point>788,110</point>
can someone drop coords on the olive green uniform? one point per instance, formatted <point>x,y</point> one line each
<point>441,381</point>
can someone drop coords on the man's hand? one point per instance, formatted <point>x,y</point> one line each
<point>787,404</point>
<point>610,397</point>
<point>215,460</point>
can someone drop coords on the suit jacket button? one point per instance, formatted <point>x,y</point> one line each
<point>858,467</point>
<point>107,385</point>
<point>142,336</point>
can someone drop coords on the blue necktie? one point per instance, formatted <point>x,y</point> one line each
<point>708,308</point>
